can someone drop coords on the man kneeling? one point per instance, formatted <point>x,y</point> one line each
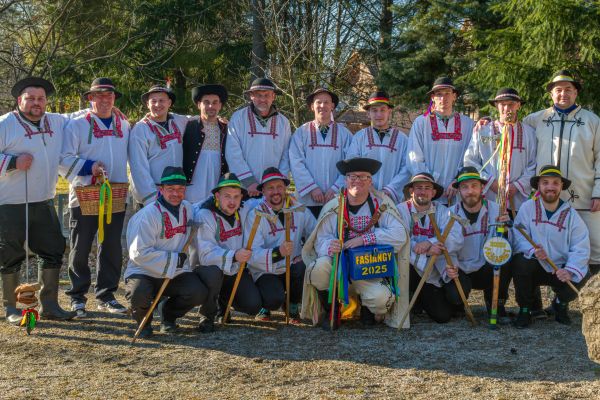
<point>156,237</point>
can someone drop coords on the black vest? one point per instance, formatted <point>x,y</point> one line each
<point>193,138</point>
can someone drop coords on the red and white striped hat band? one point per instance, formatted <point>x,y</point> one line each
<point>97,87</point>
<point>505,95</point>
<point>274,175</point>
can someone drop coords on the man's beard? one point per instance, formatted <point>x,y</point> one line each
<point>422,201</point>
<point>550,197</point>
<point>471,201</point>
<point>276,200</point>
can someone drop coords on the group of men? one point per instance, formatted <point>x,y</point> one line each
<point>218,220</point>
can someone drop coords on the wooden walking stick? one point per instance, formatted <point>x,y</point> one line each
<point>426,273</point>
<point>521,229</point>
<point>166,281</point>
<point>240,272</point>
<point>287,213</point>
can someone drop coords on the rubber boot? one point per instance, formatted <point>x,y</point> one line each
<point>49,307</point>
<point>537,308</point>
<point>9,298</point>
<point>326,322</point>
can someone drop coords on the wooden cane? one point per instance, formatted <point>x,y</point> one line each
<point>238,277</point>
<point>552,264</point>
<point>166,281</point>
<point>459,287</point>
<point>288,265</point>
<point>426,273</point>
<point>511,202</point>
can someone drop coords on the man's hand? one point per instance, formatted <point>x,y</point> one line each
<point>540,253</point>
<point>494,186</point>
<point>97,168</point>
<point>243,255</point>
<point>223,120</point>
<point>563,275</point>
<point>334,247</point>
<point>355,242</point>
<point>253,191</point>
<point>422,247</point>
<point>595,205</point>
<point>286,249</point>
<point>452,271</point>
<point>512,190</point>
<point>317,195</point>
<point>436,249</point>
<point>330,194</point>
<point>483,122</point>
<point>503,218</point>
<point>24,161</point>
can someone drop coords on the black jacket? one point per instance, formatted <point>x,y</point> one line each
<point>193,138</point>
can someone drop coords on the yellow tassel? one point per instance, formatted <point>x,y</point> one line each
<point>216,202</point>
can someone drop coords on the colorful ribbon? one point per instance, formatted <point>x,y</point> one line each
<point>105,192</point>
<point>30,317</point>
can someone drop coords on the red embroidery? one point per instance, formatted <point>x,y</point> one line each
<point>100,133</point>
<point>313,137</point>
<point>30,132</point>
<point>224,234</point>
<point>417,229</point>
<point>254,131</point>
<point>163,139</point>
<point>273,228</point>
<point>519,144</point>
<point>560,224</point>
<point>359,223</point>
<point>437,135</point>
<point>391,145</point>
<point>171,231</point>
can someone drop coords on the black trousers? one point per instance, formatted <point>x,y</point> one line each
<point>431,298</point>
<point>45,236</point>
<point>109,258</point>
<point>247,297</point>
<point>184,292</point>
<point>529,274</point>
<point>482,279</point>
<point>272,287</point>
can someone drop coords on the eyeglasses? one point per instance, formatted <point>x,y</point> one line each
<point>362,178</point>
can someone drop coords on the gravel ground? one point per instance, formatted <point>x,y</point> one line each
<point>92,358</point>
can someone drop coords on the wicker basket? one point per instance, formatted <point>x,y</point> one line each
<point>89,198</point>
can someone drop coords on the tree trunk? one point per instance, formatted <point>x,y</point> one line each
<point>259,49</point>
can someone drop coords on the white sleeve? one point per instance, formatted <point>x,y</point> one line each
<point>261,256</point>
<point>70,163</point>
<point>416,157</point>
<point>284,163</point>
<point>397,183</point>
<point>140,165</point>
<point>579,248</point>
<point>209,250</point>
<point>326,234</point>
<point>233,151</point>
<point>5,158</point>
<point>523,183</point>
<point>303,179</point>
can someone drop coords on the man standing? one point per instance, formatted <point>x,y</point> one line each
<point>473,271</point>
<point>568,136</point>
<point>483,150</point>
<point>416,214</point>
<point>204,143</point>
<point>259,137</point>
<point>219,251</point>
<point>270,248</point>
<point>383,143</point>
<point>156,237</point>
<point>95,144</point>
<point>155,143</point>
<point>560,235</point>
<point>30,146</point>
<point>315,149</point>
<point>438,140</point>
<point>370,218</point>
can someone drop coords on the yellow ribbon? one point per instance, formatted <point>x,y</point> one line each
<point>105,191</point>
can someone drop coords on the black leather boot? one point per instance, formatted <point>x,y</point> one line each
<point>49,307</point>
<point>326,321</point>
<point>9,298</point>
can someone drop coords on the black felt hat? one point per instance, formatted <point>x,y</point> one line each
<point>468,173</point>
<point>229,180</point>
<point>159,89</point>
<point>32,81</point>
<point>423,177</point>
<point>263,84</point>
<point>271,174</point>
<point>377,98</point>
<point>550,170</point>
<point>173,176</point>
<point>564,75</point>
<point>202,90</point>
<point>506,94</point>
<point>103,85</point>
<point>334,97</point>
<point>358,164</point>
<point>443,82</point>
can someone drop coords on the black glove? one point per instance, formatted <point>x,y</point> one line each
<point>181,261</point>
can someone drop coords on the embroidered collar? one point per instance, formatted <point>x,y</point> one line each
<point>436,135</point>
<point>99,133</point>
<point>28,125</point>
<point>162,135</point>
